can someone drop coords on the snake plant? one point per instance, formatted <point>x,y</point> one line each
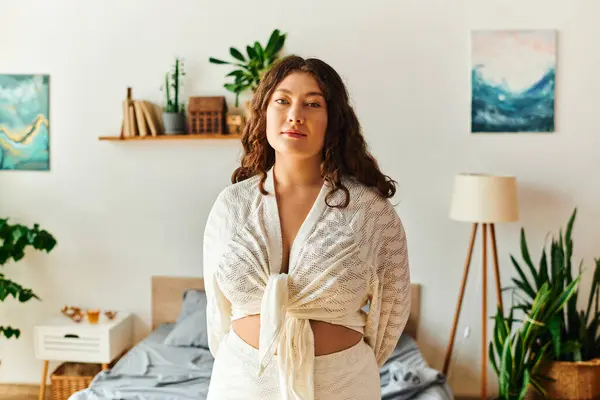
<point>14,239</point>
<point>251,67</point>
<point>516,354</point>
<point>574,334</point>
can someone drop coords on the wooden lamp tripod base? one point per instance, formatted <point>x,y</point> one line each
<point>484,346</point>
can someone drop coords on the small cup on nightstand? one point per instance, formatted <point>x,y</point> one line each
<point>93,315</point>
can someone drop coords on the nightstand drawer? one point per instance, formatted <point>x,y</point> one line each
<point>58,343</point>
<point>64,340</point>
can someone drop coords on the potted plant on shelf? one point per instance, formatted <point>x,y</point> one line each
<point>252,67</point>
<point>14,239</point>
<point>174,110</point>
<point>574,365</point>
<point>516,354</point>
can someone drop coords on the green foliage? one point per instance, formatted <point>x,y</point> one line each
<point>574,334</point>
<point>14,240</point>
<point>173,80</point>
<point>251,68</point>
<point>516,354</point>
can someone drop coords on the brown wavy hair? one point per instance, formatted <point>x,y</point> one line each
<point>345,152</point>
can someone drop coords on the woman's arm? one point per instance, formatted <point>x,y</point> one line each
<point>390,297</point>
<point>218,312</point>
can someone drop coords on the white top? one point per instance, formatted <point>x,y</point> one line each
<point>340,261</point>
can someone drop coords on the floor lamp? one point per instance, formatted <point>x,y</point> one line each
<point>482,200</point>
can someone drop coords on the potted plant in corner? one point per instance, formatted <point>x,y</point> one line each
<point>252,67</point>
<point>516,354</point>
<point>14,239</point>
<point>574,366</point>
<point>174,111</point>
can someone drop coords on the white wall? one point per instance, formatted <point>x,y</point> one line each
<point>125,211</point>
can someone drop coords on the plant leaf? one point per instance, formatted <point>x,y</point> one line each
<point>272,42</point>
<point>525,254</point>
<point>278,45</point>
<point>492,357</point>
<point>519,357</point>
<point>569,347</point>
<point>235,53</point>
<point>525,384</point>
<point>539,357</point>
<point>251,53</point>
<point>260,54</point>
<point>9,332</point>
<point>543,275</point>
<point>236,73</point>
<point>217,61</point>
<point>528,288</point>
<point>568,239</point>
<point>555,329</point>
<point>565,296</point>
<point>536,385</point>
<point>557,263</point>
<point>505,367</point>
<point>594,291</point>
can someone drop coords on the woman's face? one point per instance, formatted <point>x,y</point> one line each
<point>297,117</point>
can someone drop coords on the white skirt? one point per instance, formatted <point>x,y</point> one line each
<point>350,374</point>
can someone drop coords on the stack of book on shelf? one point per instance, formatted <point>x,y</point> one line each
<point>140,118</point>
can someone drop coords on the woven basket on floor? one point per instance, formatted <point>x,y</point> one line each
<point>573,380</point>
<point>69,378</point>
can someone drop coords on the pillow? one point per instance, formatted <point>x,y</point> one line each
<point>193,300</point>
<point>190,328</point>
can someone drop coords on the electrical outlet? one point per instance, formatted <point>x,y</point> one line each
<point>467,332</point>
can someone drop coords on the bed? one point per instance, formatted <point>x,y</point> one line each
<point>168,364</point>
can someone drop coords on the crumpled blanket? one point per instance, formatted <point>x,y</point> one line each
<point>406,375</point>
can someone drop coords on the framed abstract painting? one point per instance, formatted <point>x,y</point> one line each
<point>512,81</point>
<point>24,122</point>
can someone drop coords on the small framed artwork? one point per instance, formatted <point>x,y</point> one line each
<point>512,81</point>
<point>24,122</point>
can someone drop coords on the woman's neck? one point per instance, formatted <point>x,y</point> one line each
<point>297,172</point>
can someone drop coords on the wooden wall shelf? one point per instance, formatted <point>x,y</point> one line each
<point>203,136</point>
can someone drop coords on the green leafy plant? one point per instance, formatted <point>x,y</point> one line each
<point>516,354</point>
<point>251,67</point>
<point>574,334</point>
<point>14,239</point>
<point>174,80</point>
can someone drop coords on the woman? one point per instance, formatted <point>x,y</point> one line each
<point>305,260</point>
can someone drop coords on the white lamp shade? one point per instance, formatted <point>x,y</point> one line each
<point>484,198</point>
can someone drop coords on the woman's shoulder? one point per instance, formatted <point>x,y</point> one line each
<point>235,202</point>
<point>239,192</point>
<point>364,198</point>
<point>368,210</point>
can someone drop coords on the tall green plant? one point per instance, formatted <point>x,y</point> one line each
<point>252,67</point>
<point>573,333</point>
<point>517,354</point>
<point>14,239</point>
<point>174,80</point>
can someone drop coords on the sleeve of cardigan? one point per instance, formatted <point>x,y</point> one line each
<point>218,312</point>
<point>390,294</point>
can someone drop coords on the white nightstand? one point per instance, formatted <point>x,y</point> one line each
<point>62,339</point>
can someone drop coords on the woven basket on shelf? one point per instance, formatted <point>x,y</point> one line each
<point>573,380</point>
<point>69,378</point>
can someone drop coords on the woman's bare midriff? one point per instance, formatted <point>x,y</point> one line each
<point>329,338</point>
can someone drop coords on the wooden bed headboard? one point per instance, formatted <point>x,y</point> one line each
<point>167,294</point>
